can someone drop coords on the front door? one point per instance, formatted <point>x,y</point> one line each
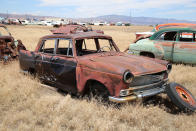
<point>167,41</point>
<point>63,66</point>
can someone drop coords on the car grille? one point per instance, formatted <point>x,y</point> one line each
<point>148,79</point>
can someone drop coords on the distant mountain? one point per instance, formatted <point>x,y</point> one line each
<point>108,18</point>
<point>134,20</point>
<point>24,16</point>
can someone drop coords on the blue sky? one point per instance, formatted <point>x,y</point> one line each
<point>178,9</point>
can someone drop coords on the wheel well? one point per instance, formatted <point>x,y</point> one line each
<point>31,70</point>
<point>148,54</point>
<point>89,84</point>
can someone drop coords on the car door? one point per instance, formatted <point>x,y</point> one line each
<point>63,66</point>
<point>185,48</point>
<point>167,40</point>
<point>43,60</point>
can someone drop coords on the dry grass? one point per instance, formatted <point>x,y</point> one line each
<point>25,105</point>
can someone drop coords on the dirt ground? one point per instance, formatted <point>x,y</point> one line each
<point>26,105</point>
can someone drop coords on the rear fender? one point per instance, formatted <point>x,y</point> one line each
<point>26,59</point>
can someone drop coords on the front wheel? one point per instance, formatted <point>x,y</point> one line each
<point>181,97</point>
<point>99,91</point>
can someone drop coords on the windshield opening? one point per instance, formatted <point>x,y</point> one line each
<point>91,46</point>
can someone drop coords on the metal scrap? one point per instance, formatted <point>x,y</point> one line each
<point>72,29</point>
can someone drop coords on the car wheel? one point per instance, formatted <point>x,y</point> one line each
<point>181,97</point>
<point>99,92</point>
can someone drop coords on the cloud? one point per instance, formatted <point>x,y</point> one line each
<point>89,8</point>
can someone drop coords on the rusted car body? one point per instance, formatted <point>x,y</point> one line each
<point>162,26</point>
<point>177,45</point>
<point>8,46</point>
<point>67,29</point>
<point>77,62</point>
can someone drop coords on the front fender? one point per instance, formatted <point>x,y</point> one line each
<point>112,82</point>
<point>150,47</point>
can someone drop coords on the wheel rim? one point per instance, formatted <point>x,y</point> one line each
<point>184,95</point>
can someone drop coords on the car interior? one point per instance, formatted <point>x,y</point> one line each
<point>187,37</point>
<point>90,46</point>
<point>183,36</point>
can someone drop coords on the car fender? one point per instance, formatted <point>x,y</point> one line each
<point>112,82</point>
<point>147,46</point>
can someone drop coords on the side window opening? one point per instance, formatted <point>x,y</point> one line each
<point>96,45</point>
<point>48,46</point>
<point>64,47</point>
<point>168,36</point>
<point>187,37</point>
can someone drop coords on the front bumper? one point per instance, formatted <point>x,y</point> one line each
<point>141,91</point>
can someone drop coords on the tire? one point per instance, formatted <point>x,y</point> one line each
<point>181,97</point>
<point>99,92</point>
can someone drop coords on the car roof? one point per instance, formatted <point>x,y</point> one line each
<point>174,28</point>
<point>81,35</point>
<point>161,26</point>
<point>180,28</point>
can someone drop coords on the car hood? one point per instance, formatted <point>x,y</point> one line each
<point>118,63</point>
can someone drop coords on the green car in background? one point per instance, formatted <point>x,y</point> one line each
<point>177,45</point>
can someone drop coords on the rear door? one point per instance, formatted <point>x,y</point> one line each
<point>185,48</point>
<point>63,66</point>
<point>43,60</point>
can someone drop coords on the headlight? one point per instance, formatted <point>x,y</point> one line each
<point>128,77</point>
<point>169,67</point>
<point>124,93</point>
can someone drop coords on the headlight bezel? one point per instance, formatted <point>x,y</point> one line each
<point>128,77</point>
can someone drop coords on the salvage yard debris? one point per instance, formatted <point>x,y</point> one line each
<point>9,48</point>
<point>70,29</point>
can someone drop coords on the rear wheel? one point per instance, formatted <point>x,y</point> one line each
<point>181,97</point>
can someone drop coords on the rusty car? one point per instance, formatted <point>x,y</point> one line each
<point>177,45</point>
<point>8,46</point>
<point>162,26</point>
<point>91,63</point>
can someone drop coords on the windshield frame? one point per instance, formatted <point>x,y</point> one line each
<point>96,43</point>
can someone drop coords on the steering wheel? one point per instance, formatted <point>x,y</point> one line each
<point>101,49</point>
